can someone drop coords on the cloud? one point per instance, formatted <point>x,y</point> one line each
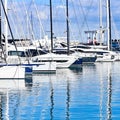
<point>83,14</point>
<point>61,7</point>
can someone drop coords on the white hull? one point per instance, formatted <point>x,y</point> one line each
<point>36,66</point>
<point>12,72</point>
<point>11,84</point>
<point>44,67</point>
<point>106,58</point>
<point>62,61</point>
<point>102,55</point>
<point>117,56</point>
<point>66,64</point>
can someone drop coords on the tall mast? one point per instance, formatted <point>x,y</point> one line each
<point>67,20</point>
<point>7,22</point>
<point>1,32</point>
<point>6,30</point>
<point>101,24</point>
<point>0,25</point>
<point>32,26</point>
<point>109,24</point>
<point>51,26</point>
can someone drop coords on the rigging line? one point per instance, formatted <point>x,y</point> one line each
<point>76,19</point>
<point>39,18</point>
<point>85,15</point>
<point>30,55</point>
<point>20,27</point>
<point>64,10</point>
<point>34,5</point>
<point>17,20</point>
<point>11,17</point>
<point>116,33</point>
<point>3,52</point>
<point>10,30</point>
<point>59,15</point>
<point>105,7</point>
<point>28,19</point>
<point>29,22</point>
<point>85,19</point>
<point>13,23</point>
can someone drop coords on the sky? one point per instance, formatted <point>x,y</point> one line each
<point>31,18</point>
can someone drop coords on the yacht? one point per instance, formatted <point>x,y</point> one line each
<point>77,50</point>
<point>62,60</point>
<point>93,54</point>
<point>37,56</point>
<point>101,54</point>
<point>23,56</point>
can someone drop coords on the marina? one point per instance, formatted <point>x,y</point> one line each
<point>57,62</point>
<point>69,94</point>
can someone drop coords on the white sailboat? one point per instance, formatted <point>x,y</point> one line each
<point>110,55</point>
<point>26,60</point>
<point>104,53</point>
<point>10,72</point>
<point>16,59</point>
<point>62,61</point>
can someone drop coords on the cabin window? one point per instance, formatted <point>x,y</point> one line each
<point>16,53</point>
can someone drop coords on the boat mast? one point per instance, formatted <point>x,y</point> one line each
<point>101,25</point>
<point>1,33</point>
<point>6,30</point>
<point>32,26</point>
<point>0,26</point>
<point>51,26</point>
<point>67,21</point>
<point>109,24</point>
<point>9,29</point>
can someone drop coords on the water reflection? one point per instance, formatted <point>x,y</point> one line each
<point>28,81</point>
<point>76,69</point>
<point>10,90</point>
<point>10,94</point>
<point>9,104</point>
<point>68,94</point>
<point>105,91</point>
<point>109,111</point>
<point>51,99</point>
<point>68,101</point>
<point>15,83</point>
<point>0,107</point>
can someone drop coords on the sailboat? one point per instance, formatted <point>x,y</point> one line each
<point>103,55</point>
<point>15,58</point>
<point>108,55</point>
<point>8,71</point>
<point>12,72</point>
<point>62,61</point>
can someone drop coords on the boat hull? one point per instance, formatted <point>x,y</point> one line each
<point>12,72</point>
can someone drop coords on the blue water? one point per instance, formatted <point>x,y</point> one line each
<point>90,93</point>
